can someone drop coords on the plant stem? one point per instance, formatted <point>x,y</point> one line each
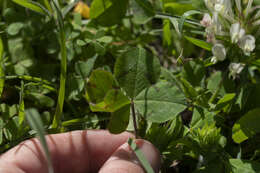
<point>134,118</point>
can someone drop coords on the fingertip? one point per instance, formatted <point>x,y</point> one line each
<point>125,160</point>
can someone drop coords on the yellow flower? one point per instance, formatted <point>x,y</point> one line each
<point>83,9</point>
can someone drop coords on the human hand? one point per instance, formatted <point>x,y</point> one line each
<point>80,152</point>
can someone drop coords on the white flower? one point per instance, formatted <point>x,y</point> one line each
<point>238,4</point>
<point>219,52</point>
<point>247,44</point>
<point>236,32</point>
<point>235,69</point>
<point>223,7</point>
<point>216,24</point>
<point>213,60</point>
<point>206,21</point>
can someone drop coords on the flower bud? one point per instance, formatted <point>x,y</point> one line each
<point>206,21</point>
<point>236,32</point>
<point>219,52</point>
<point>235,69</point>
<point>247,44</point>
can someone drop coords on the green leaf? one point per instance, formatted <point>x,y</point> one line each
<point>143,11</point>
<point>194,72</point>
<point>30,5</point>
<point>213,82</point>
<point>188,89</point>
<point>225,101</point>
<point>1,130</point>
<point>177,8</point>
<point>200,43</point>
<point>11,129</point>
<point>136,70</point>
<point>100,82</point>
<point>75,86</point>
<point>247,126</point>
<point>108,12</point>
<point>245,166</point>
<point>36,124</point>
<point>184,16</point>
<point>140,156</point>
<point>201,117</point>
<point>41,100</point>
<point>160,103</point>
<point>119,120</point>
<point>1,136</point>
<point>2,74</point>
<point>113,101</point>
<point>14,28</point>
<point>63,69</point>
<point>21,113</point>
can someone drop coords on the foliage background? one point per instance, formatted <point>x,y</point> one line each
<point>125,60</point>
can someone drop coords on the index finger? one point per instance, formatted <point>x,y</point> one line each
<point>77,152</point>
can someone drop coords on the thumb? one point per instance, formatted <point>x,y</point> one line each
<point>124,159</point>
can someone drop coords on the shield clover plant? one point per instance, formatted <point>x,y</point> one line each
<point>232,26</point>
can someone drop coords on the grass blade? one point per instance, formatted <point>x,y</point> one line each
<point>59,109</point>
<point>30,5</point>
<point>184,16</point>
<point>21,114</point>
<point>140,156</point>
<point>2,79</point>
<point>34,120</point>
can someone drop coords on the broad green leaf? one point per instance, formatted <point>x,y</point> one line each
<point>2,74</point>
<point>113,101</point>
<point>140,156</point>
<point>136,70</point>
<point>160,103</point>
<point>100,82</point>
<point>108,12</point>
<point>119,120</point>
<point>14,28</point>
<point>200,43</point>
<point>247,126</point>
<point>245,166</point>
<point>143,11</point>
<point>30,5</point>
<point>225,101</point>
<point>35,122</point>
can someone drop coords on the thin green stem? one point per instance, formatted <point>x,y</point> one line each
<point>134,118</point>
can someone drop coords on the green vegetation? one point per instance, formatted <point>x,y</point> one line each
<point>183,74</point>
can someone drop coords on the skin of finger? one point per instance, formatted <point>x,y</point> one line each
<point>77,152</point>
<point>124,159</point>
